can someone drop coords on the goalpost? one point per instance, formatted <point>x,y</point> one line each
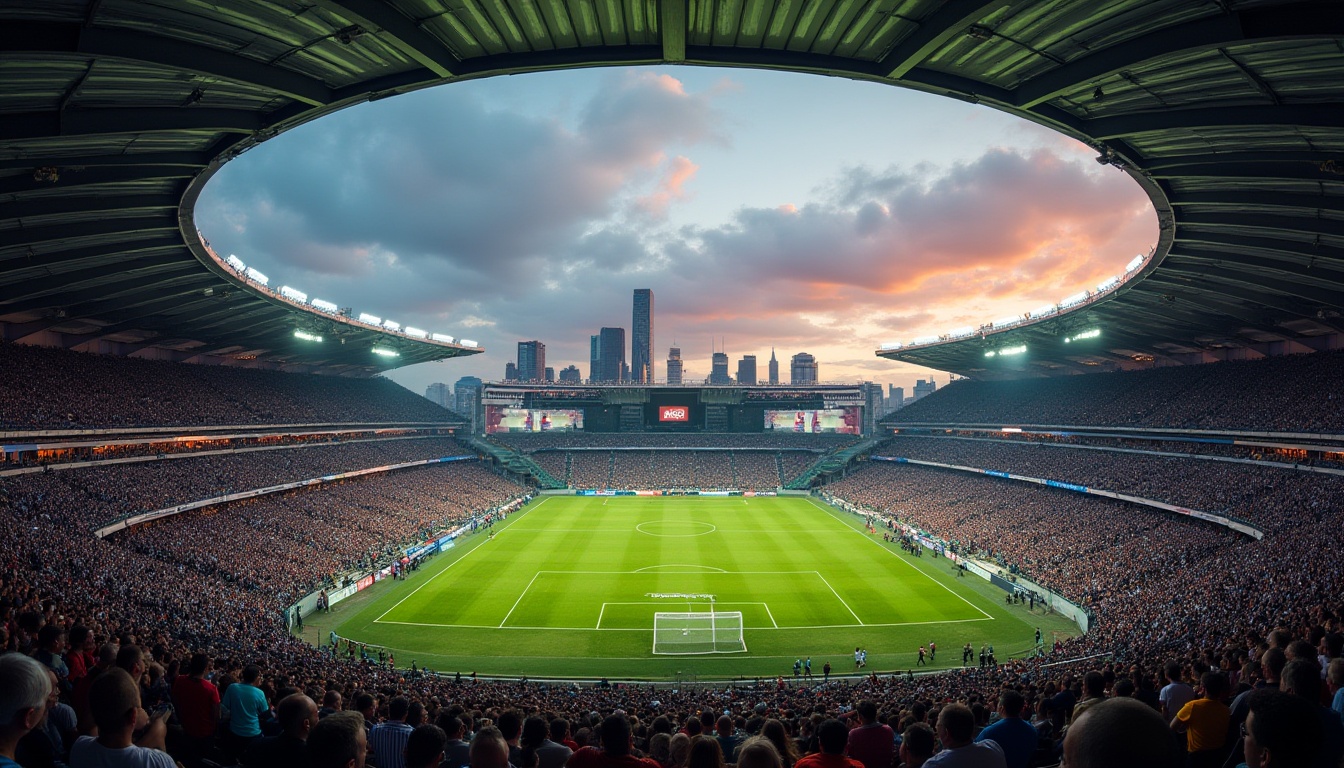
<point>696,632</point>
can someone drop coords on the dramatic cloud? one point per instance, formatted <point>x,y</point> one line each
<point>456,215</point>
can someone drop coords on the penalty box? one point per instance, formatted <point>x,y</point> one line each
<point>620,600</point>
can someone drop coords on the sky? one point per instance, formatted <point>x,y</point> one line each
<point>765,210</point>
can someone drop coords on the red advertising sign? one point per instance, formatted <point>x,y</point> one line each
<point>674,413</point>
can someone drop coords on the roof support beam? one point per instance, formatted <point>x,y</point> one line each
<point>672,26</point>
<point>1301,115</point>
<point>1236,200</point>
<point>1301,224</point>
<point>46,206</point>
<point>398,31</point>
<point>92,122</point>
<point>1231,169</point>
<point>1237,244</point>
<point>1281,22</point>
<point>30,235</point>
<point>136,271</point>
<point>74,178</point>
<point>192,160</point>
<point>1230,273</point>
<point>160,51</point>
<point>1297,263</point>
<point>949,21</point>
<point>51,259</point>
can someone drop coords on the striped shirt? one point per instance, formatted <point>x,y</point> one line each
<point>388,742</point>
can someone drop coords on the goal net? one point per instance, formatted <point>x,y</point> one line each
<point>691,633</point>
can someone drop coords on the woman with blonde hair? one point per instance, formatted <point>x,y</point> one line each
<point>759,752</point>
<point>678,749</point>
<point>660,749</point>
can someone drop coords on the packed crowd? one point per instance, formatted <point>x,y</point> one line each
<point>528,442</point>
<point>1251,492</point>
<point>681,469</point>
<point>1325,456</point>
<point>1284,394</point>
<point>58,389</point>
<point>116,491</point>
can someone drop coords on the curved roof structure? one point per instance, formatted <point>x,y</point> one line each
<point>114,113</point>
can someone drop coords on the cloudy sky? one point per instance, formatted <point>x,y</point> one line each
<point>764,209</point>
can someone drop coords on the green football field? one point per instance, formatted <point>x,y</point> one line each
<point>569,586</point>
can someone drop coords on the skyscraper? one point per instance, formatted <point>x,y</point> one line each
<point>510,371</point>
<point>924,388</point>
<point>895,397</point>
<point>641,337</point>
<point>674,365</point>
<point>774,367</point>
<point>803,369</point>
<point>718,369</point>
<point>550,374</point>
<point>571,374</point>
<point>746,370</point>
<point>531,361</point>
<point>466,399</point>
<point>594,358</point>
<point>439,394</point>
<point>610,355</point>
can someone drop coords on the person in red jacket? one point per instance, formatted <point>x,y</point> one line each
<point>618,744</point>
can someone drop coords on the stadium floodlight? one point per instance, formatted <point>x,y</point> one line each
<point>1108,284</point>
<point>365,317</point>
<point>415,332</point>
<point>236,263</point>
<point>1007,321</point>
<point>445,338</point>
<point>386,352</point>
<point>1048,309</point>
<point>1092,334</point>
<point>256,276</point>
<point>698,633</point>
<point>293,293</point>
<point>892,345</point>
<point>991,353</point>
<point>1134,264</point>
<point>392,325</point>
<point>962,332</point>
<point>467,343</point>
<point>925,340</point>
<point>1077,298</point>
<point>307,336</point>
<point>1006,351</point>
<point>325,306</point>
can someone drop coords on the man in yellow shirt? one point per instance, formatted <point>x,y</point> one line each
<point>1204,722</point>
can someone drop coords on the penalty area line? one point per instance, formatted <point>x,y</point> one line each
<point>449,567</point>
<point>838,597</point>
<point>900,559</point>
<point>520,598</point>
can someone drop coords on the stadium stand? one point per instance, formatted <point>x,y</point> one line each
<point>1284,394</point>
<point>1162,589</point>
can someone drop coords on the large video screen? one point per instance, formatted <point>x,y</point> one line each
<point>499,419</point>
<point>674,413</point>
<point>839,420</point>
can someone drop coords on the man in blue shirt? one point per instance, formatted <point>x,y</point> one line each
<point>388,740</point>
<point>243,705</point>
<point>1015,736</point>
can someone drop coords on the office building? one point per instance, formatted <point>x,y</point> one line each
<point>550,375</point>
<point>611,364</point>
<point>466,401</point>
<point>594,357</point>
<point>510,371</point>
<point>718,369</point>
<point>774,367</point>
<point>674,365</point>
<point>803,369</point>
<point>571,374</point>
<point>531,361</point>
<point>439,394</point>
<point>641,337</point>
<point>924,388</point>
<point>895,397</point>
<point>746,370</point>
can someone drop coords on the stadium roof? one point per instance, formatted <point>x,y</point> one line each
<point>1230,113</point>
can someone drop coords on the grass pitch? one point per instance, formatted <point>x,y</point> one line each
<point>565,590</point>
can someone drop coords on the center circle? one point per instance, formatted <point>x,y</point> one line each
<point>675,529</point>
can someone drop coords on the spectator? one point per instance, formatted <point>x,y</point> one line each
<point>535,738</point>
<point>297,715</point>
<point>387,740</point>
<point>24,688</point>
<point>956,731</point>
<point>456,750</point>
<point>196,700</point>
<point>1204,722</point>
<point>115,702</point>
<point>872,742</point>
<point>759,752</point>
<point>774,730</point>
<point>242,708</point>
<point>617,749</point>
<point>917,745</point>
<point>1281,730</point>
<point>1301,677</point>
<point>728,740</point>
<point>832,737</point>
<point>338,741</point>
<point>488,749</point>
<point>1015,736</point>
<point>424,748</point>
<point>1335,681</point>
<point>705,753</point>
<point>1121,733</point>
